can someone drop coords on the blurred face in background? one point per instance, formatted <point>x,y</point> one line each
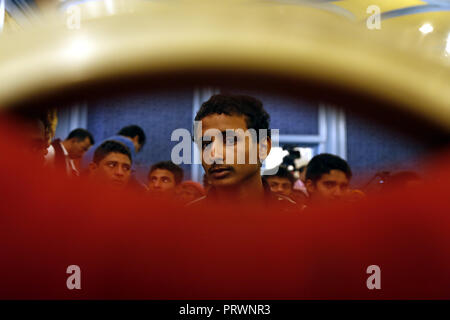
<point>331,186</point>
<point>162,181</point>
<point>77,147</point>
<point>280,185</point>
<point>137,145</point>
<point>187,193</point>
<point>35,139</point>
<point>114,170</point>
<point>302,175</point>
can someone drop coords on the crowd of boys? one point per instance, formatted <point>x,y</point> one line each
<point>326,178</point>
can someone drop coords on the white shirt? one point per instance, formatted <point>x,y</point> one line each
<point>70,165</point>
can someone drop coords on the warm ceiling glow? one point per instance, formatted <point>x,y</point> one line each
<point>109,6</point>
<point>426,28</point>
<point>2,13</point>
<point>79,48</point>
<point>447,46</point>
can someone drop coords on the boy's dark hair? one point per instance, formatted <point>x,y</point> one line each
<point>324,163</point>
<point>80,134</point>
<point>108,147</point>
<point>255,116</point>
<point>133,131</point>
<point>177,171</point>
<point>282,172</point>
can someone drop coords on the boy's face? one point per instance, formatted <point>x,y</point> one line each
<point>114,169</point>
<point>280,185</point>
<point>161,180</point>
<point>330,187</point>
<point>78,148</point>
<point>230,172</point>
<point>37,142</point>
<point>187,194</point>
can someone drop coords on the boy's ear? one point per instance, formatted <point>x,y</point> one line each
<point>264,148</point>
<point>71,141</point>
<point>310,187</point>
<point>92,167</point>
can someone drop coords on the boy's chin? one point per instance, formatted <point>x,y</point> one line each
<point>226,182</point>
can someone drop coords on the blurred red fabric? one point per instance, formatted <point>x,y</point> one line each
<point>129,247</point>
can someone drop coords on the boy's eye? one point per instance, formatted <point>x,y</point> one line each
<point>330,184</point>
<point>111,164</point>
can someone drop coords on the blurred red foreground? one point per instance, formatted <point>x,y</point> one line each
<point>131,248</point>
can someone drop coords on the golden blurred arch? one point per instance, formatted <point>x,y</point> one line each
<point>265,40</point>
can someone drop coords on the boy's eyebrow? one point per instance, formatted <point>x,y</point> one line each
<point>224,132</point>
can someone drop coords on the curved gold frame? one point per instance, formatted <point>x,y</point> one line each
<point>284,41</point>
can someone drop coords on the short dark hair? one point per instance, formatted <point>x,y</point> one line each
<point>177,171</point>
<point>80,134</point>
<point>108,147</point>
<point>324,163</point>
<point>133,131</point>
<point>282,172</point>
<point>255,116</point>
